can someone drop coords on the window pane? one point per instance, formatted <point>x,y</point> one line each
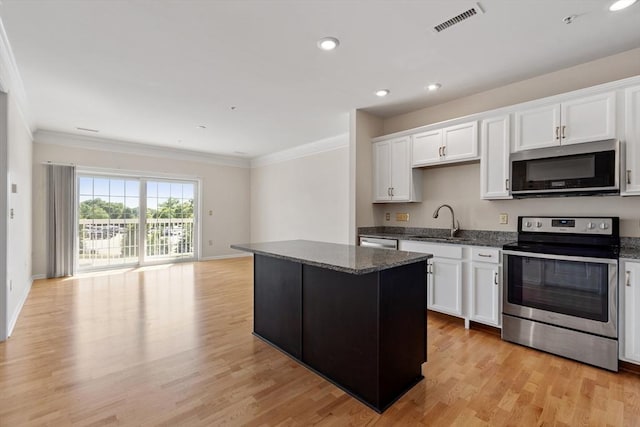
<point>132,188</point>
<point>152,189</point>
<point>101,187</point>
<point>86,186</point>
<point>117,187</point>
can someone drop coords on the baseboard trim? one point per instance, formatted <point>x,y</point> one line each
<point>38,277</point>
<point>211,258</point>
<point>485,328</point>
<point>447,317</point>
<point>16,314</point>
<point>629,367</point>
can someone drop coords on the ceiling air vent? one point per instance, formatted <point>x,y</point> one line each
<point>459,18</point>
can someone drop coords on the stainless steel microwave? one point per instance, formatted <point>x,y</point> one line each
<point>572,170</point>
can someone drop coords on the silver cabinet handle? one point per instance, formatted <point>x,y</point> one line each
<point>628,176</point>
<point>485,255</point>
<point>563,129</point>
<point>627,278</point>
<point>506,184</point>
<point>389,191</point>
<point>558,132</point>
<point>495,278</point>
<point>440,151</point>
<point>392,192</point>
<point>444,150</point>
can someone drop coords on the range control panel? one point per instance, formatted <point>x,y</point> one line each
<point>598,226</point>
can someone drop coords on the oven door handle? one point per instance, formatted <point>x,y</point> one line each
<point>562,257</point>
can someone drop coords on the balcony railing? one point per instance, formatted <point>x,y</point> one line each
<point>104,242</point>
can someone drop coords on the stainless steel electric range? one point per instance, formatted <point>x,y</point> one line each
<point>561,287</point>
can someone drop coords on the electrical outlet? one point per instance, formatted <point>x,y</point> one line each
<point>504,218</point>
<point>10,285</point>
<point>387,216</point>
<point>401,216</point>
<point>210,242</point>
<point>210,212</point>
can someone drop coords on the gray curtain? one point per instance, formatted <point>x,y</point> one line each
<point>60,219</point>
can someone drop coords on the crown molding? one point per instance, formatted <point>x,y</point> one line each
<point>11,82</point>
<point>316,147</point>
<point>126,147</point>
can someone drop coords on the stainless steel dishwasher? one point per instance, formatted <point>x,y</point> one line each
<point>377,242</point>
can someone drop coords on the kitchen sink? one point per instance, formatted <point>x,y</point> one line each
<point>441,239</point>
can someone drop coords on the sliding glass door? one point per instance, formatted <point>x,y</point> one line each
<point>169,220</point>
<point>134,220</point>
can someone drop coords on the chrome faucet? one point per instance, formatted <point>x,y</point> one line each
<point>455,225</point>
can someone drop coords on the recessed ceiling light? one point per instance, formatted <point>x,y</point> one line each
<point>88,130</point>
<point>328,43</point>
<point>383,92</point>
<point>202,127</point>
<point>434,86</point>
<point>621,4</point>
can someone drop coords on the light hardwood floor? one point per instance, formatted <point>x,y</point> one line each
<point>172,345</point>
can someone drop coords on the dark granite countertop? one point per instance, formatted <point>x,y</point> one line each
<point>440,235</point>
<point>630,247</point>
<point>345,258</point>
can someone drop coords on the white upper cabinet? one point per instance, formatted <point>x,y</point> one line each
<point>460,141</point>
<point>572,122</point>
<point>447,145</point>
<point>400,169</point>
<point>427,147</point>
<point>494,163</point>
<point>393,178</point>
<point>631,172</point>
<point>382,171</point>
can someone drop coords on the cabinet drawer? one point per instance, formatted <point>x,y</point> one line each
<point>481,254</point>
<point>439,251</point>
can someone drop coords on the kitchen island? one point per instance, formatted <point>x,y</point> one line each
<point>354,315</point>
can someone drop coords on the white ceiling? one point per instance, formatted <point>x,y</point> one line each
<point>152,71</point>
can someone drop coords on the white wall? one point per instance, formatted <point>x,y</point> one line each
<point>19,227</point>
<point>306,197</point>
<point>15,168</point>
<point>459,185</point>
<point>224,189</point>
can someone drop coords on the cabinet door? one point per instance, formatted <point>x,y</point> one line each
<point>537,128</point>
<point>485,293</point>
<point>445,290</point>
<point>631,303</point>
<point>400,170</point>
<point>494,163</point>
<point>426,148</point>
<point>460,141</point>
<point>588,119</point>
<point>382,171</point>
<point>631,173</point>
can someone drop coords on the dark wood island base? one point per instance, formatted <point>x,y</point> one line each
<point>365,333</point>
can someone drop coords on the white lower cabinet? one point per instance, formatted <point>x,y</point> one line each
<point>629,304</point>
<point>444,292</point>
<point>463,281</point>
<point>485,286</point>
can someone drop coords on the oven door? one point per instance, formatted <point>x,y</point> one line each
<point>572,292</point>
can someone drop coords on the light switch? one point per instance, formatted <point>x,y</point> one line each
<point>504,218</point>
<point>14,188</point>
<point>401,216</point>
